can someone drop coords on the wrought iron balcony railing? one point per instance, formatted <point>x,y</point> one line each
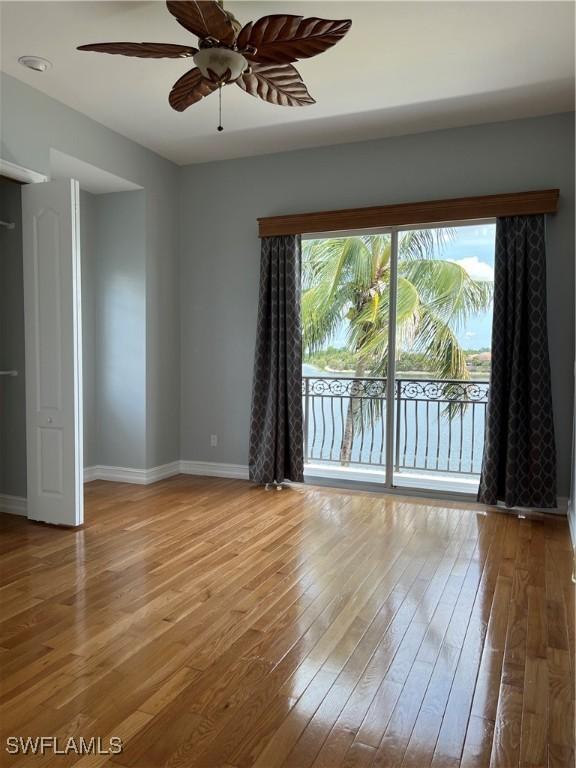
<point>439,424</point>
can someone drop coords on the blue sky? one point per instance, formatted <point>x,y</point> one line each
<point>473,247</point>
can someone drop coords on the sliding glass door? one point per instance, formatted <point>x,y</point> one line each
<point>442,355</point>
<point>396,333</point>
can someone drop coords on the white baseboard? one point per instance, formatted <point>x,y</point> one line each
<point>91,473</point>
<point>147,476</point>
<point>213,469</point>
<point>13,505</point>
<point>130,475</point>
<point>163,471</point>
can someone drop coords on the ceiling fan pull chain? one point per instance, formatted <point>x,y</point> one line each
<point>220,126</point>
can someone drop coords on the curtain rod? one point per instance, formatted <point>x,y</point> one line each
<point>427,212</point>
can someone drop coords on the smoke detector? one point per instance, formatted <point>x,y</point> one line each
<point>37,63</point>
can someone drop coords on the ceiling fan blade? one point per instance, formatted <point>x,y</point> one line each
<point>242,41</point>
<point>279,84</point>
<point>189,89</point>
<point>204,19</point>
<point>143,50</point>
<point>281,38</point>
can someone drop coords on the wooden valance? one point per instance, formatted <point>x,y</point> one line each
<point>409,214</point>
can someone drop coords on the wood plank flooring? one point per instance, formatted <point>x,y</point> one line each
<point>212,624</point>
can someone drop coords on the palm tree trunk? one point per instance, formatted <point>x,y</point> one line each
<point>351,416</point>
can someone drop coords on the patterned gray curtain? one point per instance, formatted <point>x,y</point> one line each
<point>276,431</point>
<point>519,463</point>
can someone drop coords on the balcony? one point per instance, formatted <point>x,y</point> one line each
<point>438,430</point>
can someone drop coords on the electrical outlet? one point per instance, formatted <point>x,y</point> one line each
<point>213,441</point>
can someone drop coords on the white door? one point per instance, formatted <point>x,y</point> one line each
<point>52,304</point>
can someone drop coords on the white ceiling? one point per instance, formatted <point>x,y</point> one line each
<point>403,67</point>
<point>90,178</point>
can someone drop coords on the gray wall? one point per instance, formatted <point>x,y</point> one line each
<point>219,205</point>
<point>25,142</point>
<point>113,232</point>
<point>88,231</point>
<point>120,314</point>
<point>12,390</point>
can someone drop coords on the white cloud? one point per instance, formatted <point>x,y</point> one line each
<point>478,270</point>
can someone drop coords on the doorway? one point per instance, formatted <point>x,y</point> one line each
<point>409,307</point>
<point>73,307</point>
<point>12,368</point>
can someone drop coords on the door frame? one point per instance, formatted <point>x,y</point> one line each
<point>394,231</point>
<point>20,173</point>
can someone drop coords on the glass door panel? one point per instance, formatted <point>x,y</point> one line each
<point>442,356</point>
<point>345,326</point>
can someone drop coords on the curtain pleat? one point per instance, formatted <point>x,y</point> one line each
<point>519,461</point>
<point>276,431</point>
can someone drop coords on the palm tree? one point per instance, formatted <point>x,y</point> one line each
<point>349,278</point>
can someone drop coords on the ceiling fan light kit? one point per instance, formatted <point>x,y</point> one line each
<point>220,65</point>
<point>258,56</point>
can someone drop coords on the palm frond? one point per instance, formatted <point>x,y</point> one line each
<point>448,289</point>
<point>436,339</point>
<point>320,318</point>
<point>381,249</point>
<point>424,243</point>
<point>336,262</point>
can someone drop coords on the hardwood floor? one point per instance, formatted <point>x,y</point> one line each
<point>211,624</point>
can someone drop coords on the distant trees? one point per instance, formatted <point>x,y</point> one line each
<point>341,359</point>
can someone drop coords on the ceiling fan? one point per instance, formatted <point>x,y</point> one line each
<point>258,57</point>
